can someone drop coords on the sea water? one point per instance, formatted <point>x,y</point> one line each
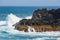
<point>11,15</point>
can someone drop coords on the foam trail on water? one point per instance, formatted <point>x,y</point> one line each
<point>3,25</point>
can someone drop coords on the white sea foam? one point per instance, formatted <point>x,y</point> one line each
<point>58,38</point>
<point>30,29</point>
<point>2,22</point>
<point>28,17</point>
<point>12,19</point>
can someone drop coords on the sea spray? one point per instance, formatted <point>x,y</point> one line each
<point>28,17</point>
<point>7,27</point>
<point>2,23</point>
<point>10,21</point>
<point>30,29</point>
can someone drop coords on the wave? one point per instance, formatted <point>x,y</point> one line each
<point>12,19</point>
<point>7,28</point>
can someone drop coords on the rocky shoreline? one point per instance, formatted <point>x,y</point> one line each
<point>42,20</point>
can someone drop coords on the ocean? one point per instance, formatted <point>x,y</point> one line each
<point>21,11</point>
<point>9,15</point>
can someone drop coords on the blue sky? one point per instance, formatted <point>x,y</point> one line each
<point>29,2</point>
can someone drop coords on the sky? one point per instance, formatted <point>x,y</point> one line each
<point>29,2</point>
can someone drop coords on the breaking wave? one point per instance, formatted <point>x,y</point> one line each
<point>7,31</point>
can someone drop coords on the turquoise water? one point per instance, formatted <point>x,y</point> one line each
<point>21,11</point>
<point>7,36</point>
<point>7,33</point>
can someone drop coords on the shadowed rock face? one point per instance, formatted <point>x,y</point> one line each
<point>42,17</point>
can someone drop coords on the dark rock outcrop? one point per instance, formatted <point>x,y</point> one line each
<point>43,17</point>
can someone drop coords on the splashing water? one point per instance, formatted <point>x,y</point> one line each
<point>30,29</point>
<point>28,17</point>
<point>7,31</point>
<point>11,20</point>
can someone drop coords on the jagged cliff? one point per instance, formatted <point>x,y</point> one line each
<point>42,20</point>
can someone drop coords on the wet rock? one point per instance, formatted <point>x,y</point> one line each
<point>42,17</point>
